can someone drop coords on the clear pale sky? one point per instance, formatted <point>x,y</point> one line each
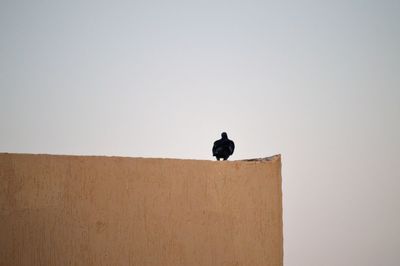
<point>317,81</point>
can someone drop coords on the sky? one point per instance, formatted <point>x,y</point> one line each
<point>315,81</point>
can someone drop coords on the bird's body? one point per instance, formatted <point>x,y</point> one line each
<point>223,148</point>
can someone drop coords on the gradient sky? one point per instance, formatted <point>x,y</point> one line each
<point>317,81</point>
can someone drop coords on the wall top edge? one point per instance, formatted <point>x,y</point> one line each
<point>261,159</point>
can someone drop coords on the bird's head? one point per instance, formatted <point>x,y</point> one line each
<point>224,135</point>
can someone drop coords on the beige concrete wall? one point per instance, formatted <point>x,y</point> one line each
<point>81,210</point>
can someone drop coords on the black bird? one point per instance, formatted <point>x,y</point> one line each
<point>223,148</point>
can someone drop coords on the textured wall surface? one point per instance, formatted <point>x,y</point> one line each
<point>84,210</point>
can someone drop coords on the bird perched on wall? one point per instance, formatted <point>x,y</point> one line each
<point>223,148</point>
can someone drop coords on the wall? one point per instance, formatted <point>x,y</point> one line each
<point>82,210</point>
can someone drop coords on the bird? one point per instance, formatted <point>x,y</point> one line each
<point>223,148</point>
